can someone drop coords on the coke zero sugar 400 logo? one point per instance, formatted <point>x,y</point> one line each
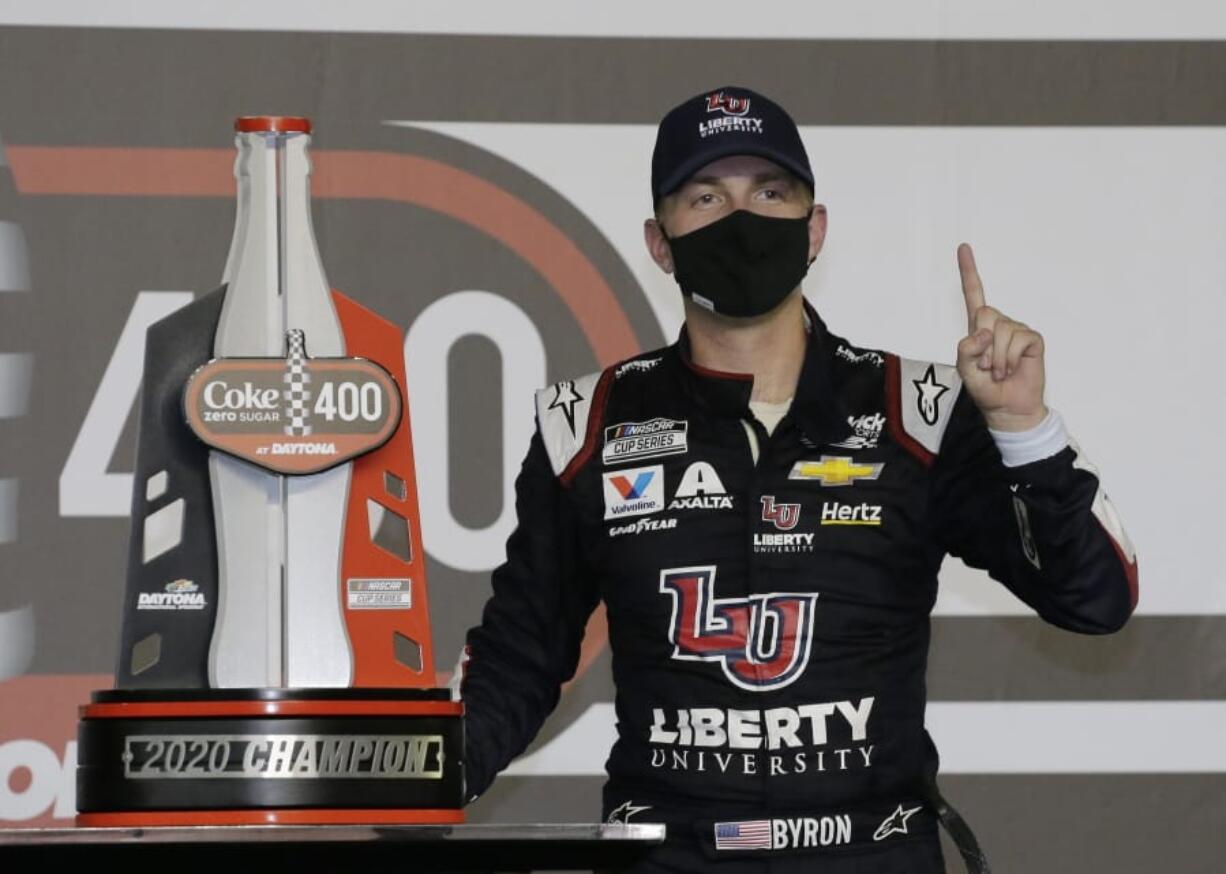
<point>294,416</point>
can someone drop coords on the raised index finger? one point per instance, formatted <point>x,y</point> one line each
<point>972,288</point>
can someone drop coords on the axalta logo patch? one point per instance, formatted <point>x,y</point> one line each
<point>792,833</point>
<point>701,489</point>
<point>635,441</point>
<point>835,470</point>
<point>634,492</point>
<point>178,595</point>
<point>866,431</point>
<point>851,514</point>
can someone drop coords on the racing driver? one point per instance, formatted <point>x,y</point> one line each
<point>763,508</point>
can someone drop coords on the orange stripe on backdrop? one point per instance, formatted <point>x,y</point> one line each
<point>122,172</point>
<point>50,170</point>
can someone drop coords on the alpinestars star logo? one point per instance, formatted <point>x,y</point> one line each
<point>895,823</point>
<point>762,642</point>
<point>930,392</point>
<point>565,396</point>
<point>623,813</point>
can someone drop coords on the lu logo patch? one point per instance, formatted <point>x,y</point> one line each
<point>761,642</point>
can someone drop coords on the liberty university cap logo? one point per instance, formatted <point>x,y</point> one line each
<point>726,104</point>
<point>762,642</point>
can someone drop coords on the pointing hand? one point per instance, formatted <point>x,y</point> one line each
<point>1000,360</point>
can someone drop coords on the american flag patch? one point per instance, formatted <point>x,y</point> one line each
<point>753,834</point>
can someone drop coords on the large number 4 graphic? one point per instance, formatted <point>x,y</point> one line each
<point>87,488</point>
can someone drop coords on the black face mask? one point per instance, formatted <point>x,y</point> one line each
<point>745,264</point>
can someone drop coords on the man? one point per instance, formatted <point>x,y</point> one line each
<point>763,508</point>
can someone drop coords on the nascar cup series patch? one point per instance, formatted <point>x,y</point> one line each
<point>634,441</point>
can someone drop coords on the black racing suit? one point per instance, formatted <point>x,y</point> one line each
<point>769,619</point>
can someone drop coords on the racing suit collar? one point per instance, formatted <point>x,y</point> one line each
<point>816,407</point>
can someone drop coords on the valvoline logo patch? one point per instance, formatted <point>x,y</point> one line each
<point>631,490</point>
<point>634,492</point>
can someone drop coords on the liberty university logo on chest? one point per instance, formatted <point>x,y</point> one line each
<point>762,642</point>
<point>782,516</point>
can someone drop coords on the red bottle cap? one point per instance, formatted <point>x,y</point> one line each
<point>247,124</point>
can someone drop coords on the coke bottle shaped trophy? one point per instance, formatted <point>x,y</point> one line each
<point>276,663</point>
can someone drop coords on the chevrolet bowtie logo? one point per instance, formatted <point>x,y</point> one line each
<point>835,470</point>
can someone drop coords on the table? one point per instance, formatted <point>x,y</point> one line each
<point>360,848</point>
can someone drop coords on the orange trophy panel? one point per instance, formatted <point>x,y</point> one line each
<point>374,632</point>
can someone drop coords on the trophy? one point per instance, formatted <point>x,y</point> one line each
<point>276,662</point>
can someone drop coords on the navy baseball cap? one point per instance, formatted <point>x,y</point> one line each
<point>715,124</point>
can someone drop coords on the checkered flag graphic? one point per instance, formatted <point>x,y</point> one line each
<point>296,378</point>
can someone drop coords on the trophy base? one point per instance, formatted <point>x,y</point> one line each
<point>153,818</point>
<point>159,757</point>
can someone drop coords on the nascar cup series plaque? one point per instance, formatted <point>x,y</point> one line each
<point>276,662</point>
